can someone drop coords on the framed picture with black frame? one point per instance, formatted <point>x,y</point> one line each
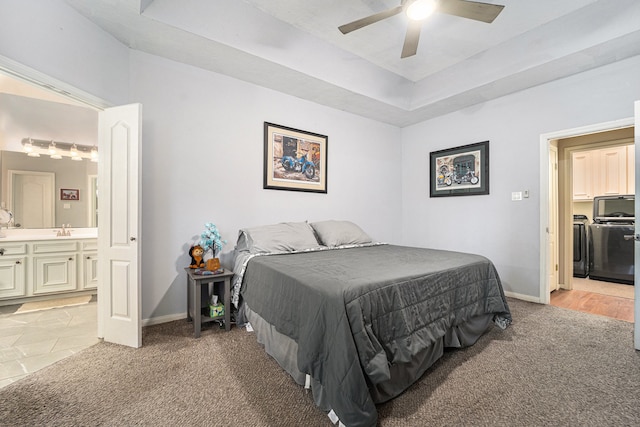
<point>460,171</point>
<point>294,159</point>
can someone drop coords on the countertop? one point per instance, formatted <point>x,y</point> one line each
<point>20,235</point>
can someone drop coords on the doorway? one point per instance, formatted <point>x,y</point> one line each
<point>71,320</point>
<point>119,177</point>
<point>615,146</point>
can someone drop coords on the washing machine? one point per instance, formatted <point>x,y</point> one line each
<point>611,244</point>
<point>580,246</point>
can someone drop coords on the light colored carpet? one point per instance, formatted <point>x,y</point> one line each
<point>551,367</point>
<point>605,288</point>
<point>53,303</point>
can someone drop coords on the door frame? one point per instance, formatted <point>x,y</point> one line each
<point>92,185</point>
<point>554,218</point>
<point>51,84</point>
<point>545,177</point>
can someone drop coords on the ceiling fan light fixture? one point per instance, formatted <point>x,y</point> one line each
<point>421,9</point>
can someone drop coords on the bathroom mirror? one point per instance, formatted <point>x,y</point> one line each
<point>42,192</point>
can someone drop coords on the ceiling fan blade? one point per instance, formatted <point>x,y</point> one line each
<point>356,25</point>
<point>411,39</point>
<point>478,11</point>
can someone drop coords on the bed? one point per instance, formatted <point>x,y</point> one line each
<point>355,320</point>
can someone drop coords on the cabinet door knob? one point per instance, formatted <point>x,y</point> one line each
<point>1,251</point>
<point>70,259</point>
<point>88,257</point>
<point>18,262</point>
<point>133,239</point>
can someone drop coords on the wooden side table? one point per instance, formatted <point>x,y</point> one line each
<point>194,298</point>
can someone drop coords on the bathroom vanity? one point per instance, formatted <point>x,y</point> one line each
<point>38,264</point>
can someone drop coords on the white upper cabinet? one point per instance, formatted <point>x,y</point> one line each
<point>603,172</point>
<point>611,172</point>
<point>582,175</point>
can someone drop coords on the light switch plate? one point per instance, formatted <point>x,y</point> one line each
<point>516,195</point>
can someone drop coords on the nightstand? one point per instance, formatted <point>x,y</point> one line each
<point>220,285</point>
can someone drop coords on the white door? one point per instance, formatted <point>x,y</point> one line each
<point>119,319</point>
<point>32,198</point>
<point>636,314</point>
<point>553,218</point>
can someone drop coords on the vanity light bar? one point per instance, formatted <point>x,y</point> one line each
<point>35,147</point>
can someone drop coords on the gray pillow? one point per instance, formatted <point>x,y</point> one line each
<point>337,233</point>
<point>283,237</point>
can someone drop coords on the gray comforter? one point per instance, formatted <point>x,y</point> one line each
<point>356,312</point>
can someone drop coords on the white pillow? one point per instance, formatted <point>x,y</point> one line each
<point>283,237</point>
<point>337,233</point>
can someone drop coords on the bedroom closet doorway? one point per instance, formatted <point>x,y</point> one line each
<point>119,299</point>
<point>617,133</point>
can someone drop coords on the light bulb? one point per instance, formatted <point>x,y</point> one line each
<point>52,148</point>
<point>28,147</point>
<point>94,154</point>
<point>421,9</point>
<point>74,151</point>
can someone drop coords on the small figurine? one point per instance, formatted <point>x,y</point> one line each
<point>196,252</point>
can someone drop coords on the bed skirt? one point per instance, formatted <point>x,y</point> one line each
<point>284,350</point>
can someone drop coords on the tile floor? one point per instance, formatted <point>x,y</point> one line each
<point>31,341</point>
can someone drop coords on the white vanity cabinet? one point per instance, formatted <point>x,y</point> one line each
<point>12,270</point>
<point>37,269</point>
<point>55,266</point>
<point>89,279</point>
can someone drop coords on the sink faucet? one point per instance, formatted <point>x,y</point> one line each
<point>65,232</point>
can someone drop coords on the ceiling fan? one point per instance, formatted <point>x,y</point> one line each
<point>418,10</point>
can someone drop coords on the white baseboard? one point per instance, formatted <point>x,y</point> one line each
<point>164,319</point>
<point>523,297</point>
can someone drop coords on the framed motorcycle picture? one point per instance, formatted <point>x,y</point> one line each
<point>294,159</point>
<point>460,171</point>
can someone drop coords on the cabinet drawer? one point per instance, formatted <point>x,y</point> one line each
<point>90,245</point>
<point>13,249</point>
<point>61,246</point>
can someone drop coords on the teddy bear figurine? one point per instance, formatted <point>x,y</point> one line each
<point>196,252</point>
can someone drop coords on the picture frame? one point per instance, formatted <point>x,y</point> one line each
<point>69,194</point>
<point>294,159</point>
<point>460,171</point>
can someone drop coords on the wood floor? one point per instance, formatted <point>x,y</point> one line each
<point>594,303</point>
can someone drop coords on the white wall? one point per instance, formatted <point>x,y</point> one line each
<point>202,154</point>
<point>505,231</point>
<point>51,37</point>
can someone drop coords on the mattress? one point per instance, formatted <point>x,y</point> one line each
<point>365,322</point>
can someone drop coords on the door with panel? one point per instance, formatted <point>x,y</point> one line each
<point>118,226</point>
